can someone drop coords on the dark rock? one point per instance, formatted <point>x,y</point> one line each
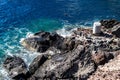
<point>42,34</point>
<point>66,65</point>
<point>68,44</point>
<point>41,41</point>
<point>109,56</point>
<point>36,44</point>
<point>36,63</point>
<point>16,67</point>
<point>109,23</point>
<point>116,30</point>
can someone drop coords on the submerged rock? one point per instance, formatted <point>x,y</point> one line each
<point>16,68</point>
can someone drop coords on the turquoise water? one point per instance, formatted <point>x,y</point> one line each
<point>21,18</point>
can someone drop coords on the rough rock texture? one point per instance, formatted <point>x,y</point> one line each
<point>109,23</point>
<point>109,71</point>
<point>80,55</point>
<point>76,63</point>
<point>37,62</point>
<point>101,57</point>
<point>41,41</point>
<point>16,67</point>
<point>116,30</point>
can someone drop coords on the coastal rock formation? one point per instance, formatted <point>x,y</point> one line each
<point>41,41</point>
<point>76,63</point>
<point>78,56</point>
<point>16,67</point>
<point>110,71</point>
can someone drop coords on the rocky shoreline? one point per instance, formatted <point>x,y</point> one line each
<point>81,56</point>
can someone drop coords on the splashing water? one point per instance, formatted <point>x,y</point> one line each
<point>10,46</point>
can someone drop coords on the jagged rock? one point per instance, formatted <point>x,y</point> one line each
<point>36,63</point>
<point>101,57</point>
<point>16,68</point>
<point>71,56</point>
<point>109,71</point>
<point>41,41</point>
<point>66,65</point>
<point>116,30</point>
<point>85,65</point>
<point>98,58</point>
<point>68,44</point>
<point>109,23</point>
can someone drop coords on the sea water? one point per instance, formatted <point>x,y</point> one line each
<point>21,18</point>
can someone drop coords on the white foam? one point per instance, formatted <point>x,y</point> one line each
<point>29,34</point>
<point>11,47</point>
<point>21,40</point>
<point>67,30</point>
<point>64,33</point>
<point>3,74</point>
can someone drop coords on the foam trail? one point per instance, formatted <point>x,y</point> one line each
<point>68,29</point>
<point>63,32</point>
<point>29,34</point>
<point>11,46</point>
<point>3,74</point>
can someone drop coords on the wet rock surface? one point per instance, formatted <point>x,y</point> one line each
<point>16,67</point>
<point>80,56</point>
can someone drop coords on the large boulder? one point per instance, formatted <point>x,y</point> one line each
<point>16,68</point>
<point>42,41</point>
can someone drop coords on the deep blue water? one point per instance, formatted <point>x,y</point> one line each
<point>20,17</point>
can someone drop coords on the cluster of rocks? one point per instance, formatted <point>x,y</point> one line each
<point>109,71</point>
<point>76,57</point>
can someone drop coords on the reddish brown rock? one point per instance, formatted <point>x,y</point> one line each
<point>109,71</point>
<point>98,57</point>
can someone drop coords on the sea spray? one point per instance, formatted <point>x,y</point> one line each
<point>10,45</point>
